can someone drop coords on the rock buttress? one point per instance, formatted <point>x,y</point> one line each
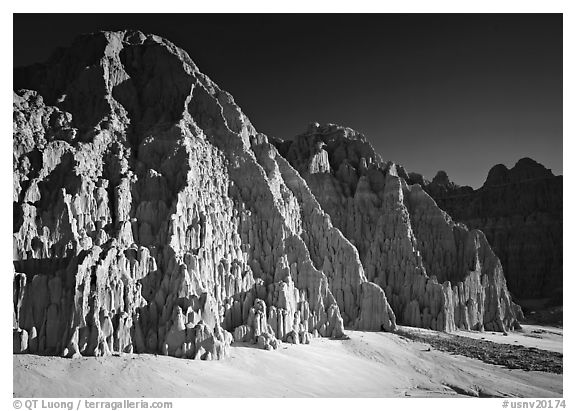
<point>436,274</point>
<point>150,215</point>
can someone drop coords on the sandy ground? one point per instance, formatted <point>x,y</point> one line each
<point>537,336</point>
<point>484,348</point>
<point>366,365</point>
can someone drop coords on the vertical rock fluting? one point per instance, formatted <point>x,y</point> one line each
<point>520,211</point>
<point>436,274</point>
<point>150,216</point>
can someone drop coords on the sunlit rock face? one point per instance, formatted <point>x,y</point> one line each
<point>436,273</point>
<point>520,211</point>
<point>150,216</point>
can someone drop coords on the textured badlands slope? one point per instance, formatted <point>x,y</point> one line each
<point>150,215</point>
<point>436,274</point>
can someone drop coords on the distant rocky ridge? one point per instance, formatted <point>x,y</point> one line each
<point>150,215</point>
<point>520,211</point>
<point>436,273</point>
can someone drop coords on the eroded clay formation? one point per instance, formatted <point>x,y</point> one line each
<point>436,273</point>
<point>151,217</point>
<point>520,211</point>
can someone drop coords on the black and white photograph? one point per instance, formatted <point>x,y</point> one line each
<point>287,205</point>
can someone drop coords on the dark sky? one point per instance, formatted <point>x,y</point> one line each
<point>454,92</point>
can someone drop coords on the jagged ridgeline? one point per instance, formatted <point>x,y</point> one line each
<point>520,211</point>
<point>150,216</point>
<point>436,273</point>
